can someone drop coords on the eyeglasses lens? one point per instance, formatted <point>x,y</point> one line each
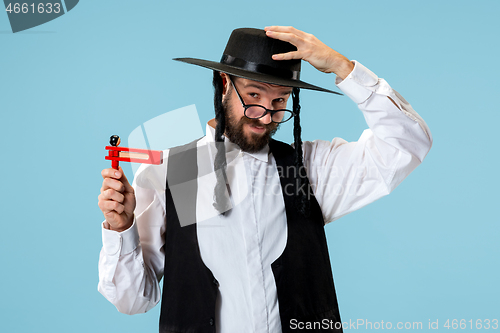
<point>256,112</point>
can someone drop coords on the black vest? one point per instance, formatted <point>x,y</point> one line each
<point>303,274</point>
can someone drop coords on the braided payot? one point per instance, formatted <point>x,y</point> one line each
<point>302,182</point>
<point>220,200</point>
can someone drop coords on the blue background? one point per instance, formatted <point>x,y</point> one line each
<point>428,251</point>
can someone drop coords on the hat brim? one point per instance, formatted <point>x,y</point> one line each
<point>265,78</point>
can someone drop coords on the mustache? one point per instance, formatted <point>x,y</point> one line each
<point>256,122</point>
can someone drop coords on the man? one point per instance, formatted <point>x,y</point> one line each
<point>235,254</point>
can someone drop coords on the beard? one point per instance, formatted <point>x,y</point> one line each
<point>235,133</point>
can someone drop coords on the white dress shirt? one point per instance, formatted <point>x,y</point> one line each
<point>239,249</point>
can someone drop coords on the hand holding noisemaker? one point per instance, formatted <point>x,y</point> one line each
<point>117,198</point>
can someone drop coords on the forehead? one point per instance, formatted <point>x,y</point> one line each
<point>246,83</point>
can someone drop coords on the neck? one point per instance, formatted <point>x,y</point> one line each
<point>212,123</point>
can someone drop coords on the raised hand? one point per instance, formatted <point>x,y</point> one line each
<point>310,49</point>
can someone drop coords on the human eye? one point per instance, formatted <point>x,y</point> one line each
<point>279,101</point>
<point>253,95</point>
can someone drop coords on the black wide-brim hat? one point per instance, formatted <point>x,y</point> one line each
<point>248,54</point>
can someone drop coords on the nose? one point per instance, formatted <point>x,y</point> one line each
<point>266,119</point>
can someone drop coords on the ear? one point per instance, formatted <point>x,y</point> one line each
<point>225,83</point>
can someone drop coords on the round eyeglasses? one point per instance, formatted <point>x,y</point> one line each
<point>255,111</point>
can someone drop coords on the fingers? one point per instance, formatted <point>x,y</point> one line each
<point>288,34</point>
<point>289,29</point>
<point>289,37</point>
<point>115,214</point>
<point>288,55</point>
<point>108,206</point>
<point>116,180</point>
<point>117,199</point>
<point>111,194</point>
<point>111,200</point>
<point>292,39</point>
<point>110,183</point>
<point>112,173</point>
<point>304,42</point>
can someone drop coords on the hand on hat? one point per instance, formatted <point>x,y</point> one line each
<point>310,49</point>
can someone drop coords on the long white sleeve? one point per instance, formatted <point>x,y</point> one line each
<point>346,176</point>
<point>131,262</point>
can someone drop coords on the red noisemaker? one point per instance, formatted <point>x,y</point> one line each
<point>124,154</point>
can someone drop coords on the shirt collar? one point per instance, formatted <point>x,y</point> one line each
<point>262,155</point>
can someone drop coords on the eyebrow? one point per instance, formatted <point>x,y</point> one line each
<point>253,85</point>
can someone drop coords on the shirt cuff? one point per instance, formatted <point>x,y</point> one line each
<point>120,243</point>
<point>359,84</point>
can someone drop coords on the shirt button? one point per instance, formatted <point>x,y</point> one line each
<point>212,322</point>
